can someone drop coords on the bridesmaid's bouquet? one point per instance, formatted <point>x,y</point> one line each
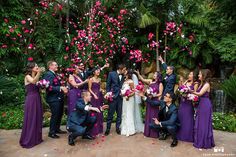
<point>108,96</point>
<point>183,90</point>
<point>43,83</point>
<point>195,102</point>
<point>151,91</point>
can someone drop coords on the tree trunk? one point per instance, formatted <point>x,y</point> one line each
<point>157,49</point>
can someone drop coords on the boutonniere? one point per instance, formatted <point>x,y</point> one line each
<point>166,77</point>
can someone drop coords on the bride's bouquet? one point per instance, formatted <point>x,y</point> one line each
<point>126,92</point>
<point>43,83</point>
<point>108,96</point>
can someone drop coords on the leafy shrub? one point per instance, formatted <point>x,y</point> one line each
<point>225,122</point>
<point>229,87</point>
<point>12,90</point>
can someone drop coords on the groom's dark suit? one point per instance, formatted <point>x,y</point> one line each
<point>114,85</point>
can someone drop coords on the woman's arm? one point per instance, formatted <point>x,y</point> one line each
<point>195,86</point>
<point>131,84</point>
<point>160,90</point>
<point>204,89</point>
<point>147,81</point>
<point>32,80</point>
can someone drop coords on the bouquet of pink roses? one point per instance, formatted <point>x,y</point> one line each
<point>43,83</point>
<point>108,96</point>
<point>151,91</point>
<point>126,92</point>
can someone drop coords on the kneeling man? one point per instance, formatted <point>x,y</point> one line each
<point>79,121</point>
<point>168,117</point>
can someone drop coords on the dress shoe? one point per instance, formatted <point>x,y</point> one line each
<point>61,132</point>
<point>163,136</point>
<point>174,143</point>
<point>88,137</point>
<point>118,131</point>
<point>107,132</point>
<point>71,140</point>
<point>53,136</point>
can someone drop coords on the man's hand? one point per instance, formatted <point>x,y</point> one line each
<point>161,59</point>
<point>94,109</point>
<point>156,121</point>
<point>64,89</point>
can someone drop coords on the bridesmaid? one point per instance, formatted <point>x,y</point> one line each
<point>152,111</point>
<point>186,112</point>
<point>96,101</point>
<point>76,84</point>
<point>31,134</point>
<point>203,130</point>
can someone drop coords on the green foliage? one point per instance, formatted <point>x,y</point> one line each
<point>12,90</point>
<point>229,87</point>
<point>227,48</point>
<point>225,122</point>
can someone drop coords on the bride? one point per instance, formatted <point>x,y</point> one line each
<point>131,118</point>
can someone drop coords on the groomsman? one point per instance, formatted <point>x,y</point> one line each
<point>114,84</point>
<point>80,122</point>
<point>167,122</point>
<point>85,73</point>
<point>55,98</point>
<point>170,79</point>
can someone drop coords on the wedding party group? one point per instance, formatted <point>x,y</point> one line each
<point>125,91</point>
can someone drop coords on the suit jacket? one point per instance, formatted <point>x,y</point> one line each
<point>114,84</point>
<point>170,81</point>
<point>167,118</point>
<point>79,115</point>
<point>53,92</point>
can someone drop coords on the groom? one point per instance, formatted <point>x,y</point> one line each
<point>114,84</point>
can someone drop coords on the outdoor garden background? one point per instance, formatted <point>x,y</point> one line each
<point>188,33</point>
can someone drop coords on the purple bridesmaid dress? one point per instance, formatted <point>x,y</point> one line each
<point>151,112</point>
<point>73,95</point>
<point>98,126</point>
<point>31,134</point>
<point>203,130</point>
<point>186,118</point>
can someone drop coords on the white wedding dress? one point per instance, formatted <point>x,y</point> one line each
<point>131,122</point>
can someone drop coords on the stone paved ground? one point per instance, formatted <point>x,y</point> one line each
<point>112,146</point>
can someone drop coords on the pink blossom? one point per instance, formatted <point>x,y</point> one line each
<point>150,36</point>
<point>123,11</point>
<point>30,46</point>
<point>30,59</point>
<point>4,46</point>
<point>6,20</point>
<point>23,22</point>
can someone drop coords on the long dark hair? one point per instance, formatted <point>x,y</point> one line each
<point>159,77</point>
<point>206,75</point>
<point>129,74</point>
<point>195,75</point>
<point>29,68</point>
